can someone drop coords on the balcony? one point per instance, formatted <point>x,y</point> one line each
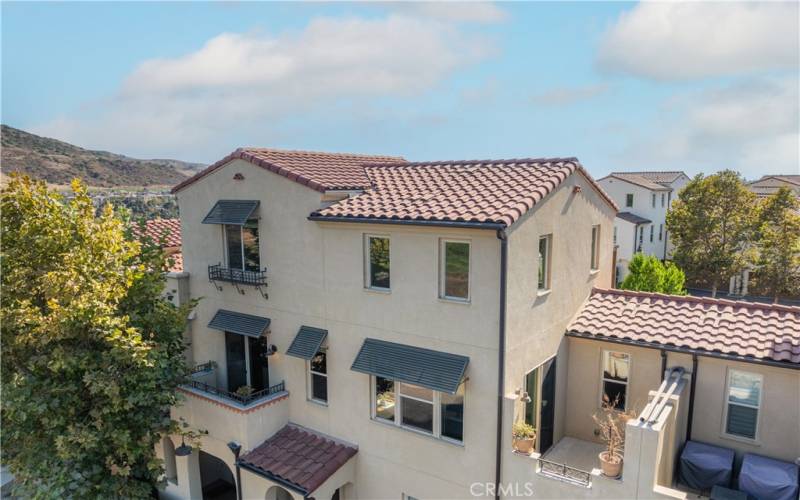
<point>219,274</point>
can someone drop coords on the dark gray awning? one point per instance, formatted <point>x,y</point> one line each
<point>307,342</point>
<point>440,371</point>
<point>243,324</point>
<point>231,212</point>
<point>633,218</point>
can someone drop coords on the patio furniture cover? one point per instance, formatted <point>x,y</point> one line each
<point>704,466</point>
<point>768,479</point>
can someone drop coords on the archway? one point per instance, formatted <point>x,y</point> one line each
<point>216,478</point>
<point>277,493</point>
<point>170,467</point>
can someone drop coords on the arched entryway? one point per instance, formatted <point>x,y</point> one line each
<point>278,493</point>
<point>216,478</point>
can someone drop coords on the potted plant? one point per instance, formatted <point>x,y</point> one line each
<point>524,437</point>
<point>611,427</point>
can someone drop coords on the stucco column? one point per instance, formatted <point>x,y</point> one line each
<point>189,482</point>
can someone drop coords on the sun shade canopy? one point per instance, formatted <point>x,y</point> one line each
<point>307,342</point>
<point>231,212</point>
<point>440,371</point>
<point>243,324</point>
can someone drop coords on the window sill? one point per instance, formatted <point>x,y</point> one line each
<point>740,439</point>
<point>419,433</point>
<point>455,300</point>
<point>382,291</point>
<point>317,402</point>
<point>543,293</point>
<point>594,272</point>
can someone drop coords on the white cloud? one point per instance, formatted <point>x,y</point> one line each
<point>688,40</point>
<point>471,12</point>
<point>565,96</point>
<point>240,80</point>
<point>752,126</point>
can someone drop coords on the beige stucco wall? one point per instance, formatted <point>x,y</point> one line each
<point>779,421</point>
<point>536,323</point>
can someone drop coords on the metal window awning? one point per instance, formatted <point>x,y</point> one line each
<point>440,371</point>
<point>231,212</point>
<point>307,342</point>
<point>243,324</point>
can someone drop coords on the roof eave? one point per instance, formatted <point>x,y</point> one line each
<point>409,222</point>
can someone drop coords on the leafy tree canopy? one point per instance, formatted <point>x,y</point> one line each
<point>712,224</point>
<point>778,266</point>
<point>648,274</point>
<point>91,352</point>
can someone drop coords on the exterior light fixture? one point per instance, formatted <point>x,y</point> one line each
<point>183,450</point>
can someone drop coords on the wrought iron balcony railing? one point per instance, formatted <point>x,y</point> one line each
<point>219,274</point>
<point>563,471</point>
<point>243,399</point>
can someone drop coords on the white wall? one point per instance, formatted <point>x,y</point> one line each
<point>617,189</point>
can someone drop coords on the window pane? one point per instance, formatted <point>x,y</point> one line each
<point>416,392</point>
<point>614,394</point>
<point>595,230</point>
<point>319,387</point>
<point>384,398</point>
<point>417,414</point>
<point>741,421</point>
<point>628,200</point>
<point>532,388</point>
<point>456,280</point>
<point>379,262</point>
<point>453,414</point>
<point>543,263</point>
<point>319,363</point>
<point>233,244</point>
<point>615,366</point>
<point>252,261</point>
<point>744,388</point>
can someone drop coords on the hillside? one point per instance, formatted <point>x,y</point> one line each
<point>58,162</point>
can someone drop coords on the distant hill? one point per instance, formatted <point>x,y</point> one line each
<point>58,162</point>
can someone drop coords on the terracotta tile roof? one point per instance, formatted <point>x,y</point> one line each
<point>177,262</point>
<point>633,218</point>
<point>299,456</point>
<point>638,180</point>
<point>317,170</point>
<point>768,185</point>
<point>659,177</point>
<point>766,332</point>
<point>169,229</point>
<point>475,191</point>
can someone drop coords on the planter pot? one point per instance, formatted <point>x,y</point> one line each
<point>524,445</point>
<point>611,465</point>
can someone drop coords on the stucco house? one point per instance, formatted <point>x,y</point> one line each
<point>372,328</point>
<point>641,224</point>
<point>768,185</point>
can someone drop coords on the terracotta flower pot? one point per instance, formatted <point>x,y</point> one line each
<point>611,465</point>
<point>524,445</point>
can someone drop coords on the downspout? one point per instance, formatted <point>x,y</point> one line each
<point>501,357</point>
<point>663,363</point>
<point>690,416</point>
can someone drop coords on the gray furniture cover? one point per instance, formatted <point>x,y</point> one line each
<point>704,466</point>
<point>768,479</point>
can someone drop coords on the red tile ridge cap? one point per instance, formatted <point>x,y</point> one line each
<point>439,163</point>
<point>700,300</point>
<point>322,153</point>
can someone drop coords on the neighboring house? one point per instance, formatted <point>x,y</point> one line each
<point>364,318</point>
<point>167,233</point>
<point>641,225</point>
<point>769,184</point>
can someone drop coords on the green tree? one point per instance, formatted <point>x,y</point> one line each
<point>91,352</point>
<point>778,265</point>
<point>648,274</point>
<point>711,224</point>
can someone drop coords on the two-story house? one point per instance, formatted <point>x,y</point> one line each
<point>643,198</point>
<point>362,320</point>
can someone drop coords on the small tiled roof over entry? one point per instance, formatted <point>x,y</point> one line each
<point>495,192</point>
<point>298,456</point>
<point>746,330</point>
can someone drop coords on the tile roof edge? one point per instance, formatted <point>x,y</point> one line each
<point>434,163</point>
<point>316,216</point>
<point>700,300</point>
<point>595,184</point>
<point>326,153</point>
<point>657,186</point>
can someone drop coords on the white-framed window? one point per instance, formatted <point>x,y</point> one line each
<point>629,200</point>
<point>318,377</point>
<point>654,200</point>
<point>377,262</point>
<point>409,406</point>
<point>615,378</point>
<point>241,246</point>
<point>454,270</point>
<point>595,248</point>
<point>660,231</point>
<point>743,404</point>
<point>663,199</point>
<point>545,249</point>
<point>652,230</point>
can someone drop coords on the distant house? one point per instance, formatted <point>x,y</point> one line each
<point>769,185</point>
<point>643,198</point>
<point>167,232</point>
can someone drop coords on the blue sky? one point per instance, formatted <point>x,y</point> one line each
<point>622,86</point>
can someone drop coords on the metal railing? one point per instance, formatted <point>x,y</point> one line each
<point>208,366</point>
<point>239,276</point>
<point>232,396</point>
<point>564,471</point>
